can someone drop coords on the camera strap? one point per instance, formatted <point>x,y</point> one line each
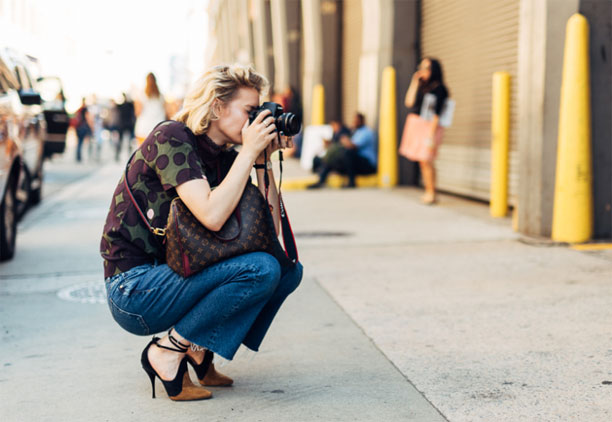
<point>287,231</point>
<point>266,177</point>
<point>288,237</point>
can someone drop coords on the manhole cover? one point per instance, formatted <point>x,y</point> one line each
<point>322,234</point>
<point>92,292</point>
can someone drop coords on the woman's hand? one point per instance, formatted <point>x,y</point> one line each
<point>258,135</point>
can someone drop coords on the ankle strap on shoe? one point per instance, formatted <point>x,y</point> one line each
<point>155,341</point>
<point>179,347</point>
<point>176,343</point>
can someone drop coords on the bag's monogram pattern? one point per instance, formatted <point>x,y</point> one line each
<point>191,247</point>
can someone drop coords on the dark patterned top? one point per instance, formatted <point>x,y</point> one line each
<point>438,90</point>
<point>171,155</point>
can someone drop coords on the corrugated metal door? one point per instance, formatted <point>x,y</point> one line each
<point>472,39</point>
<point>351,52</point>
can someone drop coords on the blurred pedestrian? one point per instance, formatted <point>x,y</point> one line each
<point>96,111</point>
<point>83,126</point>
<point>355,155</point>
<point>282,98</point>
<point>226,304</point>
<point>127,122</point>
<point>151,109</point>
<point>112,121</point>
<point>333,146</point>
<point>421,138</point>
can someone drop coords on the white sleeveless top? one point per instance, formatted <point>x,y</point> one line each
<point>153,111</point>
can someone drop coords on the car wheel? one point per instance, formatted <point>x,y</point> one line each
<point>23,193</point>
<point>8,223</point>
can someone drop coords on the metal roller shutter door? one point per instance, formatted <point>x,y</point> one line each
<point>472,39</point>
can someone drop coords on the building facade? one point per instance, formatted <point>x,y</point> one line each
<point>345,45</point>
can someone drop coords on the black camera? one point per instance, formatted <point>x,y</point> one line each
<point>286,123</point>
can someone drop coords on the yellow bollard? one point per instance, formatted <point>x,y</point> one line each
<point>318,105</point>
<point>387,131</point>
<point>573,205</point>
<point>500,144</point>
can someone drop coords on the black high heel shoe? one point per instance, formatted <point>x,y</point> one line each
<point>180,388</point>
<point>206,372</point>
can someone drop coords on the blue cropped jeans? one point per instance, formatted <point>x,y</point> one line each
<point>222,306</point>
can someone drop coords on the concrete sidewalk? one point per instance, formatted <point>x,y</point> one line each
<point>426,314</point>
<point>488,325</point>
<point>63,358</point>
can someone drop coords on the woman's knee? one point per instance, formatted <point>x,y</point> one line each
<point>266,270</point>
<point>292,279</point>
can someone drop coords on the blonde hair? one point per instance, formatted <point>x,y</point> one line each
<point>219,83</point>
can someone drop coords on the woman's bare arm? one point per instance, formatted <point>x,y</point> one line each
<point>412,90</point>
<point>212,208</point>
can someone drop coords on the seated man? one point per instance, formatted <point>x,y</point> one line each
<point>353,156</point>
<point>333,145</point>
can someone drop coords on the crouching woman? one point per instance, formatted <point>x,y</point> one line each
<point>229,303</point>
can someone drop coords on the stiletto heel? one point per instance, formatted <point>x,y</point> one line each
<point>152,378</point>
<point>206,372</point>
<point>180,388</point>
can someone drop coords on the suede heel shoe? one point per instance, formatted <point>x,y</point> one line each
<point>177,389</point>
<point>207,374</point>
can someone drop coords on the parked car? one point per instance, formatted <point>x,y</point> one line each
<point>54,107</point>
<point>22,127</point>
<point>51,91</point>
<point>31,132</point>
<point>10,164</point>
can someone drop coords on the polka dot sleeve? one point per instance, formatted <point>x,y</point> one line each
<point>172,154</point>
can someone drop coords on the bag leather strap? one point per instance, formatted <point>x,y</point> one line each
<point>158,231</point>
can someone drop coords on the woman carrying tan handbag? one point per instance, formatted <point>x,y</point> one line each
<point>229,303</point>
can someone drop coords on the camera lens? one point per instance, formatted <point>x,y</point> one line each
<point>289,124</point>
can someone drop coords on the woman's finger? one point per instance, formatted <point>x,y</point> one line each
<point>271,138</point>
<point>269,121</point>
<point>261,116</point>
<point>270,129</point>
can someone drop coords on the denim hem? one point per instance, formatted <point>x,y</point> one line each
<point>254,349</point>
<point>205,346</point>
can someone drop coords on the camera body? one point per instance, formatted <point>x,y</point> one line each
<point>287,124</point>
